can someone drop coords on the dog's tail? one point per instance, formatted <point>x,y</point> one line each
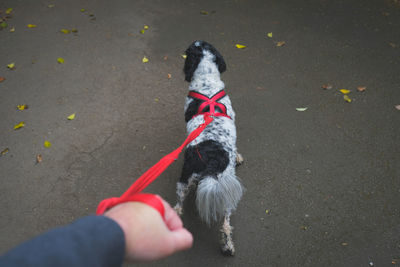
<point>216,196</point>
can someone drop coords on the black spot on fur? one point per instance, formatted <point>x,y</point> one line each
<point>207,158</point>
<point>195,54</point>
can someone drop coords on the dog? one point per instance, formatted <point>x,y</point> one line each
<point>210,160</point>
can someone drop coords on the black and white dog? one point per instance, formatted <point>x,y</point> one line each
<point>210,160</point>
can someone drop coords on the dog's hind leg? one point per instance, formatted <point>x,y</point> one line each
<point>227,245</point>
<point>182,190</point>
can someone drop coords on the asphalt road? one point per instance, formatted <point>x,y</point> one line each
<point>323,184</point>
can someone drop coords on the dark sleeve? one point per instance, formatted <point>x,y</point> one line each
<point>90,241</point>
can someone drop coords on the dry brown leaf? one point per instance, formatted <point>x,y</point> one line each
<point>165,57</point>
<point>39,158</point>
<point>393,45</point>
<point>327,86</point>
<point>169,76</point>
<point>2,79</point>
<point>361,88</point>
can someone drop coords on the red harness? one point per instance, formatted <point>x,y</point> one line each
<point>211,103</point>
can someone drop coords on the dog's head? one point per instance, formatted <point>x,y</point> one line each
<point>195,53</point>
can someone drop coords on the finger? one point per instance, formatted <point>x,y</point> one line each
<point>171,218</point>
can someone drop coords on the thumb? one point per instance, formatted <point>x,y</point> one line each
<point>181,239</point>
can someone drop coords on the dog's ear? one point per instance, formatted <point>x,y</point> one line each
<point>193,57</point>
<point>219,60</point>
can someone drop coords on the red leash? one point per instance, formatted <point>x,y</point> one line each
<point>133,192</point>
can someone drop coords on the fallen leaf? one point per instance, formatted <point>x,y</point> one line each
<point>47,144</point>
<point>327,86</point>
<point>165,57</point>
<point>145,59</point>
<point>65,31</point>
<point>4,151</point>
<point>301,109</point>
<point>2,79</point>
<point>19,125</point>
<point>74,30</point>
<point>344,244</point>
<point>71,117</point>
<point>8,11</point>
<point>60,60</point>
<point>83,10</point>
<point>22,107</point>
<point>397,107</point>
<point>361,88</point>
<point>145,27</point>
<point>31,26</point>
<point>142,31</point>
<point>169,76</point>
<point>347,98</point>
<point>12,29</point>
<point>279,44</point>
<point>393,45</point>
<point>303,227</point>
<point>51,6</point>
<point>203,12</point>
<point>269,34</point>
<point>39,158</point>
<point>267,211</point>
<point>11,66</point>
<point>344,91</point>
<point>156,99</point>
<point>184,56</point>
<point>3,25</point>
<point>240,46</point>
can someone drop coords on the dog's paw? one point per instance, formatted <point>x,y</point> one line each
<point>228,251</point>
<point>239,159</point>
<point>227,246</point>
<point>178,209</point>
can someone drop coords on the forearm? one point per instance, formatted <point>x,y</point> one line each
<point>91,241</point>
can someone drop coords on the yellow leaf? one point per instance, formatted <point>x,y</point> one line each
<point>65,31</point>
<point>12,29</point>
<point>60,60</point>
<point>301,109</point>
<point>345,91</point>
<point>19,125</point>
<point>51,6</point>
<point>347,98</point>
<point>142,31</point>
<point>240,46</point>
<point>279,44</point>
<point>203,12</point>
<point>184,56</point>
<point>47,144</point>
<point>8,11</point>
<point>145,27</point>
<point>145,59</point>
<point>5,151</point>
<point>269,34</point>
<point>31,26</point>
<point>83,10</point>
<point>71,117</point>
<point>22,107</point>
<point>11,66</point>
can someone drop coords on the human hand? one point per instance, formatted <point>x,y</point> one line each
<point>148,236</point>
